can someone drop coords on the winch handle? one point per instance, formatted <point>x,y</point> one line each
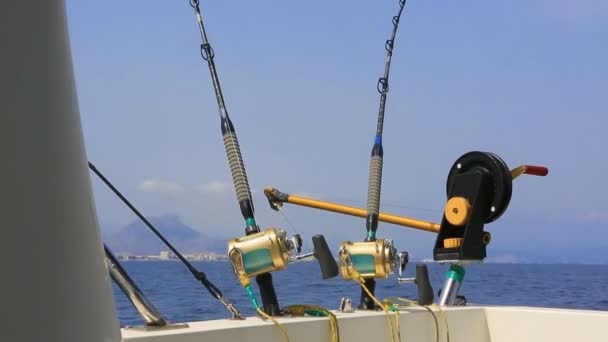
<point>532,170</point>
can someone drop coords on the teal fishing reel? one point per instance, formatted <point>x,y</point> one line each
<point>371,259</point>
<point>379,259</point>
<point>272,250</point>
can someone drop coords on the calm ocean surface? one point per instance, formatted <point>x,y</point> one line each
<point>173,290</point>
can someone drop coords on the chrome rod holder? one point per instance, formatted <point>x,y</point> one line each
<point>142,305</point>
<point>452,283</point>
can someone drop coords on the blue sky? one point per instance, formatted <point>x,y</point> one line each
<point>526,80</point>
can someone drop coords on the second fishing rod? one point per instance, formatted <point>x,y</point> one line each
<point>377,158</point>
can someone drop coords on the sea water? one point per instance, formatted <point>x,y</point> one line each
<point>180,298</point>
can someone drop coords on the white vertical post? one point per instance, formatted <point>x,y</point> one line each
<point>54,285</point>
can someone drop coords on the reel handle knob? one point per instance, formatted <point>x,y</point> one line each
<point>536,170</point>
<point>531,170</point>
<point>327,262</point>
<point>425,290</point>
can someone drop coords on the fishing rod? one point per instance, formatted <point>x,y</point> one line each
<point>237,168</point>
<point>376,161</point>
<point>377,155</point>
<point>259,252</point>
<point>276,199</point>
<point>198,275</point>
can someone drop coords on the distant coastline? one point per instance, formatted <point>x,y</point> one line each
<point>168,256</point>
<point>212,256</point>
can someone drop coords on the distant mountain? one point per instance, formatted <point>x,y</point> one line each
<point>136,239</point>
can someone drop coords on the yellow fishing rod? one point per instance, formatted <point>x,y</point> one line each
<point>276,199</point>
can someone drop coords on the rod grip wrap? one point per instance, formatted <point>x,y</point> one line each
<point>374,185</point>
<point>237,169</point>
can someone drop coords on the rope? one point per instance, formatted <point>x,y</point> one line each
<point>246,283</point>
<point>278,325</point>
<point>315,310</point>
<point>384,308</point>
<point>356,276</point>
<point>428,308</point>
<point>445,321</point>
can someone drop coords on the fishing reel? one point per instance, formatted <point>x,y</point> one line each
<point>370,259</point>
<point>479,188</point>
<point>379,259</point>
<point>272,250</point>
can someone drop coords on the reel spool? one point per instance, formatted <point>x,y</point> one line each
<point>271,250</point>
<point>479,188</point>
<point>499,175</point>
<point>372,259</point>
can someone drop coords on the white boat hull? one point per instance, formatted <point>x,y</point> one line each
<point>466,324</point>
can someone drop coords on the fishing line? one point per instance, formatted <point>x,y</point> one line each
<point>198,275</point>
<point>393,204</point>
<point>287,221</point>
<point>266,316</point>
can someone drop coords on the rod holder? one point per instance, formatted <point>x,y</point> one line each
<point>142,305</point>
<point>451,286</point>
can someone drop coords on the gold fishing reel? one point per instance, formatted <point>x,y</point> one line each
<point>372,259</point>
<point>263,252</point>
<point>271,250</point>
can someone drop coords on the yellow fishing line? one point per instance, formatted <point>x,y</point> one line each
<point>268,317</point>
<point>445,321</point>
<point>356,276</point>
<point>428,308</point>
<point>300,310</point>
<point>360,280</point>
